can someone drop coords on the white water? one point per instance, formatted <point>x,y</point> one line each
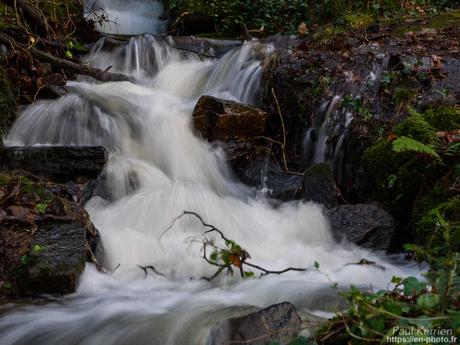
<point>148,128</point>
<point>123,17</point>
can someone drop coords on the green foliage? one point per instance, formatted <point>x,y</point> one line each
<point>404,144</point>
<point>41,208</point>
<point>410,305</point>
<point>443,118</point>
<point>234,15</point>
<point>415,127</point>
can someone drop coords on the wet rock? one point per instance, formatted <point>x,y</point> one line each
<point>51,92</point>
<point>218,119</point>
<point>45,236</point>
<point>253,165</point>
<point>56,163</point>
<point>366,225</point>
<point>319,185</point>
<point>57,259</point>
<point>278,323</point>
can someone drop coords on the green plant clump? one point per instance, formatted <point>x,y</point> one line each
<point>443,118</point>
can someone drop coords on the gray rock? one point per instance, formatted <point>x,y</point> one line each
<point>279,323</point>
<point>366,225</point>
<point>319,185</point>
<point>56,163</point>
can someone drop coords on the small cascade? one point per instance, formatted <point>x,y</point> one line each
<point>157,169</point>
<point>324,140</point>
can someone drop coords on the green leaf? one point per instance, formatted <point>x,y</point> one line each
<point>412,286</point>
<point>37,249</point>
<point>404,144</point>
<point>316,265</point>
<point>427,301</point>
<point>41,208</point>
<point>214,256</point>
<point>248,274</point>
<point>25,259</point>
<point>396,280</point>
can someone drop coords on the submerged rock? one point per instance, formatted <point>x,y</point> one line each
<point>366,225</point>
<point>278,323</point>
<point>319,185</point>
<point>219,119</point>
<point>56,163</point>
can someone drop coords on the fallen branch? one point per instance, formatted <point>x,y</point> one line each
<point>234,255</point>
<point>67,65</point>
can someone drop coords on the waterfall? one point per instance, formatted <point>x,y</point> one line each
<point>146,124</point>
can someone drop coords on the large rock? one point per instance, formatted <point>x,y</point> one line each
<point>366,225</point>
<point>56,163</point>
<point>57,259</point>
<point>45,236</point>
<point>218,119</point>
<point>319,185</point>
<point>278,323</point>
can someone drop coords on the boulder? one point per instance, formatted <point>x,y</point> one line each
<point>45,236</point>
<point>278,323</point>
<point>366,225</point>
<point>218,119</point>
<point>319,185</point>
<point>57,259</point>
<point>59,164</point>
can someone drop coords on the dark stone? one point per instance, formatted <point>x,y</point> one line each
<point>218,119</point>
<point>319,185</point>
<point>56,163</point>
<point>57,259</point>
<point>277,323</point>
<point>253,165</point>
<point>366,225</point>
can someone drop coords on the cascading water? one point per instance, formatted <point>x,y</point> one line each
<point>147,126</point>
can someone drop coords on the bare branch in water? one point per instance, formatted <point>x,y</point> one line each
<point>238,256</point>
<point>153,269</point>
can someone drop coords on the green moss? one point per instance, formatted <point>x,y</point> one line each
<point>7,104</point>
<point>443,118</point>
<point>416,127</point>
<point>433,214</point>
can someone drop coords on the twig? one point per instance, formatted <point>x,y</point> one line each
<point>152,268</point>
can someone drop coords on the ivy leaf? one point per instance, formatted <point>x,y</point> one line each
<point>413,286</point>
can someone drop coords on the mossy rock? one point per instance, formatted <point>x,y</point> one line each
<point>396,178</point>
<point>7,104</point>
<point>416,127</point>
<point>434,214</point>
<point>446,118</point>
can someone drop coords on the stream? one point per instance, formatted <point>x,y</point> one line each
<point>158,168</point>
